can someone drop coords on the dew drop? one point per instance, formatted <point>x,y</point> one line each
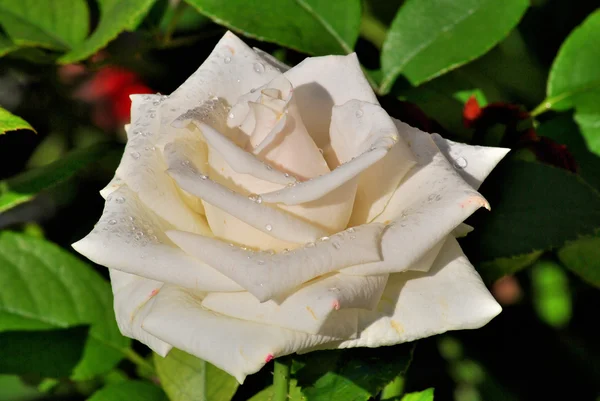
<point>285,250</point>
<point>120,199</point>
<point>460,163</point>
<point>324,238</point>
<point>309,245</point>
<point>185,162</point>
<point>137,132</point>
<point>231,115</point>
<point>320,151</point>
<point>358,113</point>
<point>135,155</point>
<point>112,222</point>
<point>261,262</point>
<point>203,177</point>
<point>269,227</point>
<point>259,68</point>
<point>152,114</point>
<point>351,230</point>
<point>227,60</point>
<point>255,198</point>
<point>336,245</point>
<point>238,80</point>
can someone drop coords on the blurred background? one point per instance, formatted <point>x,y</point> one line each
<point>545,343</point>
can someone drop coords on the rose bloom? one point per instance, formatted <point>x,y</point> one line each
<point>261,210</point>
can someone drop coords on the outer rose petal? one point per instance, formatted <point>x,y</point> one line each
<point>142,169</point>
<point>229,72</point>
<point>473,163</point>
<point>267,276</point>
<point>427,205</point>
<point>323,82</point>
<point>451,296</point>
<point>131,238</point>
<point>324,306</point>
<point>133,299</point>
<point>237,346</point>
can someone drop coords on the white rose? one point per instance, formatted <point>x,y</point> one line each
<point>260,211</point>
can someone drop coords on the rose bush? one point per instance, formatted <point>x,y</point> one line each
<point>260,211</point>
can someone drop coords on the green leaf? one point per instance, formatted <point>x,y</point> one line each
<point>494,269</point>
<point>357,374</point>
<point>57,24</point>
<point>48,353</point>
<point>26,186</point>
<point>563,130</point>
<point>535,207</point>
<point>268,393</point>
<point>574,80</point>
<point>115,17</point>
<point>425,395</point>
<point>13,389</point>
<point>551,295</point>
<point>582,257</point>
<point>187,378</point>
<point>430,37</point>
<point>129,391</point>
<point>443,98</point>
<point>6,45</point>
<point>311,26</point>
<point>45,287</point>
<point>10,122</point>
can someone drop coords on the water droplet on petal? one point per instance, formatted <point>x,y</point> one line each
<point>135,155</point>
<point>336,245</point>
<point>309,245</point>
<point>112,222</point>
<point>227,60</point>
<point>255,198</point>
<point>259,68</point>
<point>269,227</point>
<point>324,239</point>
<point>460,163</point>
<point>261,262</point>
<point>120,199</point>
<point>320,151</point>
<point>231,115</point>
<point>203,177</point>
<point>185,162</point>
<point>358,113</point>
<point>351,230</point>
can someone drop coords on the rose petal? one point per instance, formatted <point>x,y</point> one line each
<point>266,276</point>
<point>324,306</point>
<point>323,82</point>
<point>473,163</point>
<point>375,135</point>
<point>131,238</point>
<point>142,169</point>
<point>462,230</point>
<point>451,296</point>
<point>427,205</point>
<point>281,66</point>
<point>236,346</point>
<point>270,220</point>
<point>241,161</point>
<point>133,299</point>
<point>231,70</point>
<point>111,187</point>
